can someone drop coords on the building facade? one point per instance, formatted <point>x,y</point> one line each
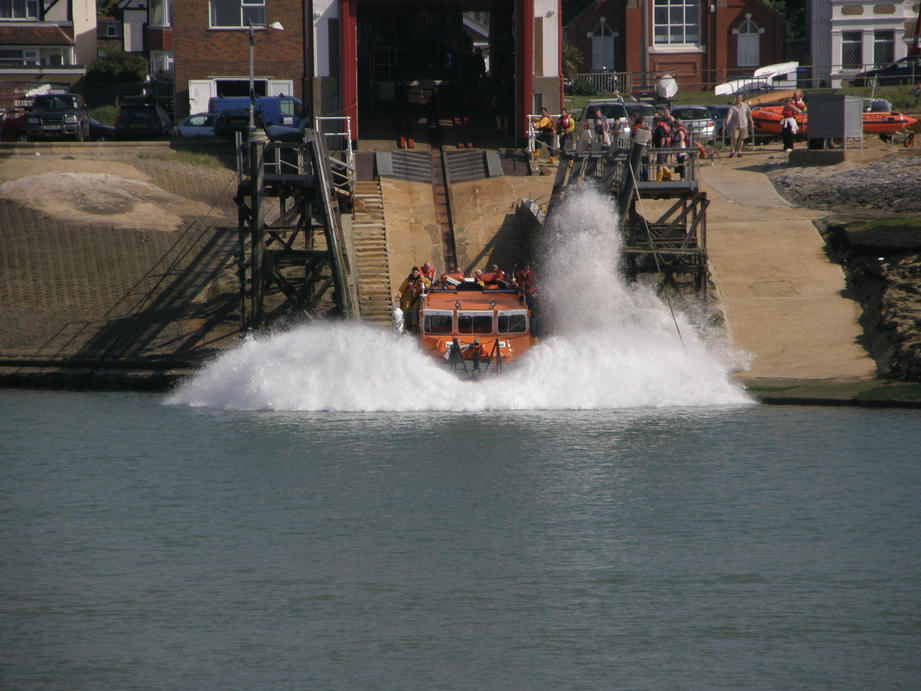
<point>699,43</point>
<point>848,37</point>
<point>359,58</point>
<point>44,44</point>
<point>211,48</point>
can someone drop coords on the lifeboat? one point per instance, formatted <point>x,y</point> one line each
<point>475,328</point>
<point>767,121</point>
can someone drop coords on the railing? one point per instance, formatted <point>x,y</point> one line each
<point>341,169</point>
<point>815,76</point>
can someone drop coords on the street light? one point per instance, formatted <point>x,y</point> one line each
<point>276,26</point>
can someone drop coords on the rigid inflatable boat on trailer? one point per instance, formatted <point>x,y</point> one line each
<point>475,328</point>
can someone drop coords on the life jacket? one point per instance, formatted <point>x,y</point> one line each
<point>566,125</point>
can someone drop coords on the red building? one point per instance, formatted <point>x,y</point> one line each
<point>698,43</point>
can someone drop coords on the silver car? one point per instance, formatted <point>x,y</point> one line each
<point>612,109</point>
<point>697,120</point>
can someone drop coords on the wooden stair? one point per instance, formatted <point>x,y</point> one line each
<point>372,268</point>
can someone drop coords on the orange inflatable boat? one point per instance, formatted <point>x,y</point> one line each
<point>767,121</point>
<point>475,328</point>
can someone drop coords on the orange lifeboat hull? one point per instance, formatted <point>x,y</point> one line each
<point>474,327</point>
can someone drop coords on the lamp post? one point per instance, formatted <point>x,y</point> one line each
<point>276,26</point>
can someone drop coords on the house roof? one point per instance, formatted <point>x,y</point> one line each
<point>48,35</point>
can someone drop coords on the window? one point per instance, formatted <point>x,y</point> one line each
<point>749,43</point>
<point>237,13</point>
<point>437,324</point>
<point>851,50</point>
<point>675,22</point>
<point>602,47</point>
<point>513,323</point>
<point>160,13</point>
<point>474,323</point>
<point>18,9</point>
<point>883,48</point>
<point>17,57</point>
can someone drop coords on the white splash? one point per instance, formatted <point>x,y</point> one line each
<point>618,346</point>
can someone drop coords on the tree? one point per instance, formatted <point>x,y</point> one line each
<point>117,66</point>
<point>572,59</point>
<point>794,13</point>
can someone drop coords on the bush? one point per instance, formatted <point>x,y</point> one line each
<point>104,115</point>
<point>583,88</point>
<point>117,67</point>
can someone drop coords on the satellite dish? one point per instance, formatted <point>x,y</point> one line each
<point>666,87</point>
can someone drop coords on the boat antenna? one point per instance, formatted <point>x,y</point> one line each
<point>655,254</point>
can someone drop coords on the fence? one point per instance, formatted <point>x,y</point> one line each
<point>817,76</point>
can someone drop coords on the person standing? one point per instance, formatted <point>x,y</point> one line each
<point>544,136</point>
<point>739,120</point>
<point>600,128</point>
<point>788,126</point>
<point>564,128</point>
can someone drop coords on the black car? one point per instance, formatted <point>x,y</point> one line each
<point>142,120</point>
<point>903,71</point>
<point>58,116</point>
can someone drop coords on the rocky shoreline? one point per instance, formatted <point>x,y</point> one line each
<point>874,232</point>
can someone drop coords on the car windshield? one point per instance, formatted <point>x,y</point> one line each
<point>55,102</point>
<point>641,109</point>
<point>609,110</point>
<point>691,113</point>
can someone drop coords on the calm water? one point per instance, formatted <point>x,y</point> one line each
<point>165,546</point>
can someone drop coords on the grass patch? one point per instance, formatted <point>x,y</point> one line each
<point>913,223</point>
<point>891,392</point>
<point>202,160</point>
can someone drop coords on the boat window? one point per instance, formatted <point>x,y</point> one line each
<point>515,323</point>
<point>474,322</point>
<point>437,324</point>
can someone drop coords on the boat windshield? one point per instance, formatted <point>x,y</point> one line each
<point>437,322</point>
<point>513,322</point>
<point>474,322</point>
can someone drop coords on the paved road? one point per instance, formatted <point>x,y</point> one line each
<point>784,299</point>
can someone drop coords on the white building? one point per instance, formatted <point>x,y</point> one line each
<point>850,36</point>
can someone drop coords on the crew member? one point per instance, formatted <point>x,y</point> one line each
<point>411,292</point>
<point>564,128</point>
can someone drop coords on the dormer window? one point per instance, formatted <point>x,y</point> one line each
<point>18,9</point>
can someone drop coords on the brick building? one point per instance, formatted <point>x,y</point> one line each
<point>699,43</point>
<point>44,44</point>
<point>356,57</point>
<point>211,50</point>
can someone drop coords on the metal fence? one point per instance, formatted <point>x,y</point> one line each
<point>813,76</point>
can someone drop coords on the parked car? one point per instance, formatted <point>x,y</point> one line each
<point>903,71</point>
<point>718,113</point>
<point>697,121</point>
<point>645,110</point>
<point>100,132</point>
<point>13,128</point>
<point>233,120</point>
<point>612,108</point>
<point>197,125</point>
<point>142,119</point>
<point>58,116</point>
